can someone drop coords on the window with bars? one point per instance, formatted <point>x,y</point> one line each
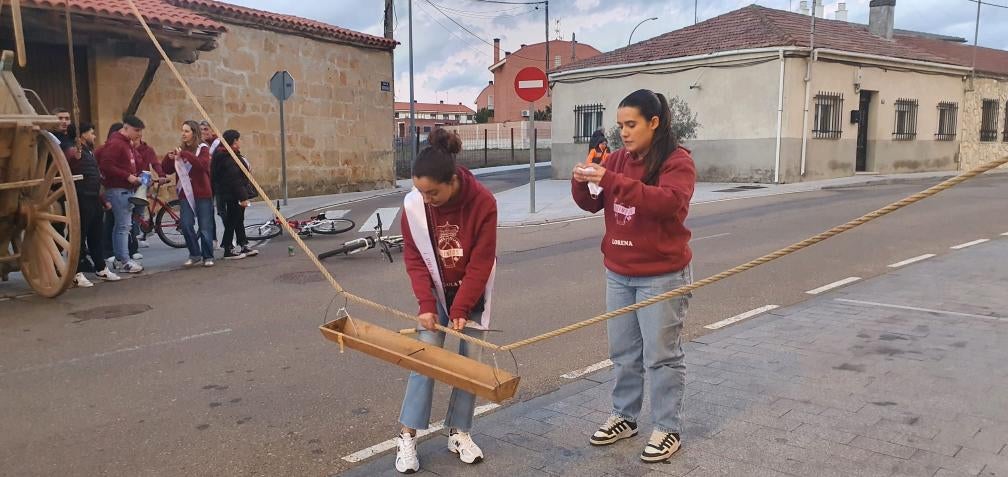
<point>948,117</point>
<point>587,119</point>
<point>828,110</point>
<point>989,120</point>
<point>905,123</point>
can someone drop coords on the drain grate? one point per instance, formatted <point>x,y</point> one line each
<point>300,278</point>
<point>110,312</point>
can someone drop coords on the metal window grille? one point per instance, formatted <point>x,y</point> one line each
<point>948,117</point>
<point>905,123</point>
<point>587,119</point>
<point>828,109</point>
<point>989,120</point>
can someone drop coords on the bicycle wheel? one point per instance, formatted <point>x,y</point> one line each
<point>168,224</point>
<point>265,231</point>
<point>333,226</point>
<point>348,248</point>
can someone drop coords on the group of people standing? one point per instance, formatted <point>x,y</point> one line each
<point>644,190</point>
<point>206,179</point>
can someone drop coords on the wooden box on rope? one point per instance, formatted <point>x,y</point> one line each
<point>485,381</point>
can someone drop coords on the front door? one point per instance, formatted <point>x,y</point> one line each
<point>861,165</point>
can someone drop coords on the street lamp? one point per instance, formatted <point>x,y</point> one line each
<point>635,29</point>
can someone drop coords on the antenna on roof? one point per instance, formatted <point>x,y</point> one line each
<point>559,37</point>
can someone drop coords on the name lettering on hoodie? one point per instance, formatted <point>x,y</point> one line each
<point>622,243</point>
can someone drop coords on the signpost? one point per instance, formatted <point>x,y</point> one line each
<point>530,84</point>
<point>282,87</point>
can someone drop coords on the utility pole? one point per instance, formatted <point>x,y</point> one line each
<point>412,102</point>
<point>976,38</point>
<point>532,113</point>
<point>696,15</point>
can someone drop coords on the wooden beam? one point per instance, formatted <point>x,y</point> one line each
<point>152,66</point>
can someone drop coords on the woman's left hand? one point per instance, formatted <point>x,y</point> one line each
<point>458,324</point>
<point>589,173</point>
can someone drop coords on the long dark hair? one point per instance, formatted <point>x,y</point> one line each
<point>437,161</point>
<point>665,142</point>
<point>197,139</point>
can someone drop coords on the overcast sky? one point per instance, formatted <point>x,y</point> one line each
<point>451,64</point>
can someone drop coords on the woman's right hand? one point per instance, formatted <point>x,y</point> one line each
<point>577,173</point>
<point>427,320</point>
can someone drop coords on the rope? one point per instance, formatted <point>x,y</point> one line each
<point>952,182</point>
<point>280,217</point>
<point>73,71</point>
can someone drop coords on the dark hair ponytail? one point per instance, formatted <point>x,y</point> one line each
<point>437,161</point>
<point>665,142</point>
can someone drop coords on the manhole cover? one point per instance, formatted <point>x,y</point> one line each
<point>110,312</point>
<point>300,278</point>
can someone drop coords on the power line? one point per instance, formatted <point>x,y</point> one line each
<point>541,2</point>
<point>988,3</point>
<point>473,34</point>
<point>460,38</point>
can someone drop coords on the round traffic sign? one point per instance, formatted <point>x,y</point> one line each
<point>530,84</point>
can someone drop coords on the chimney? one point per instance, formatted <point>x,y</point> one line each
<point>507,54</point>
<point>496,50</point>
<point>441,102</point>
<point>881,18</point>
<point>818,8</point>
<point>491,82</point>
<point>523,45</point>
<point>841,12</point>
<point>803,7</point>
<point>573,48</point>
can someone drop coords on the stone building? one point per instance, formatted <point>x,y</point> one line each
<point>338,120</point>
<point>775,108</point>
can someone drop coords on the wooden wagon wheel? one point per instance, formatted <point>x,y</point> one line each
<point>50,246</point>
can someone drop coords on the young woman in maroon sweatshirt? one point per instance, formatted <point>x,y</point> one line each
<point>646,189</point>
<point>449,225</point>
<point>190,162</point>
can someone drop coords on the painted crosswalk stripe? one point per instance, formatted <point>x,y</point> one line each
<point>390,444</point>
<point>1004,234</point>
<point>912,260</point>
<point>924,310</point>
<point>587,370</point>
<point>388,217</point>
<point>739,317</point>
<point>337,214</point>
<point>836,284</point>
<point>969,244</point>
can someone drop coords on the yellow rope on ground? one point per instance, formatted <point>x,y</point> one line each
<point>280,217</point>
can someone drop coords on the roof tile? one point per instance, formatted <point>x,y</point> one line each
<point>154,11</point>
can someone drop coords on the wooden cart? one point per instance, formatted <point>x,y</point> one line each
<point>39,215</point>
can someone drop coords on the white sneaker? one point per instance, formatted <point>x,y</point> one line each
<point>81,281</point>
<point>406,460</point>
<point>132,267</point>
<point>462,444</point>
<point>189,262</point>
<point>208,263</point>
<point>137,256</point>
<point>108,276</point>
<point>614,429</point>
<point>142,243</point>
<point>660,446</point>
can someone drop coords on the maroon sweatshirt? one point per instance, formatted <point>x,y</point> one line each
<point>118,160</point>
<point>464,234</point>
<point>199,175</point>
<point>645,231</point>
<point>148,159</point>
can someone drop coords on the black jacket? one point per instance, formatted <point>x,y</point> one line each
<point>229,182</point>
<point>83,162</point>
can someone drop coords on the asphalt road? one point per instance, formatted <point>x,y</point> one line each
<point>223,371</point>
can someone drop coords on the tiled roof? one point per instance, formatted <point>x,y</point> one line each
<point>285,23</point>
<point>154,11</point>
<point>435,108</point>
<point>758,27</point>
<point>988,60</point>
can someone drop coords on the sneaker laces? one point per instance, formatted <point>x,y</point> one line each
<point>611,422</point>
<point>661,440</point>
<point>406,450</point>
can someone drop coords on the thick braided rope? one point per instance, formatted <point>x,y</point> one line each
<point>952,182</point>
<point>280,217</point>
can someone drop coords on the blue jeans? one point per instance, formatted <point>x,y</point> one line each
<point>648,339</point>
<point>200,245</point>
<point>416,406</point>
<point>122,212</point>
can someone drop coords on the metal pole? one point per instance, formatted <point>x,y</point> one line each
<point>412,102</point>
<point>532,159</point>
<point>976,38</point>
<point>696,16</point>
<point>547,53</point>
<point>512,145</point>
<point>629,40</point>
<point>283,153</point>
<point>485,147</point>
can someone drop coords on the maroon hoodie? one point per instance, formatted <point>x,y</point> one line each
<point>464,233</point>
<point>117,161</point>
<point>199,175</point>
<point>645,231</point>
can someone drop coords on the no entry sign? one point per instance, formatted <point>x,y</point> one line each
<point>530,84</point>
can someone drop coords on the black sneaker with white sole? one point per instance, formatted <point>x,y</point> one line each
<point>614,429</point>
<point>660,446</point>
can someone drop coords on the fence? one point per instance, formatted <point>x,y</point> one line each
<point>485,145</point>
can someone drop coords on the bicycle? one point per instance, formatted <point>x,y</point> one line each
<point>387,243</point>
<point>318,224</point>
<point>167,217</point>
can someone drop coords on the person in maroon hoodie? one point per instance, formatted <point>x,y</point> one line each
<point>148,161</point>
<point>118,163</point>
<point>646,189</point>
<point>449,226</point>
<point>190,162</point>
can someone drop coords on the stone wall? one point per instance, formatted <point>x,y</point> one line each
<point>972,152</point>
<point>339,122</point>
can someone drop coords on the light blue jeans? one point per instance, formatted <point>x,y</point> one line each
<point>122,212</point>
<point>200,244</point>
<point>416,407</point>
<point>648,339</point>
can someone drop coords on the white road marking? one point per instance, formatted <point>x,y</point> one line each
<point>110,353</point>
<point>741,316</point>
<point>969,244</point>
<point>1004,234</point>
<point>925,310</point>
<point>338,214</point>
<point>833,285</point>
<point>390,444</point>
<point>912,260</point>
<point>710,237</point>
<point>388,216</point>
<point>590,369</point>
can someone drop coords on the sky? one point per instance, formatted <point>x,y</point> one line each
<point>451,64</point>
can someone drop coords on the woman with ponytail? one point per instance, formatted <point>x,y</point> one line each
<point>645,190</point>
<point>449,227</point>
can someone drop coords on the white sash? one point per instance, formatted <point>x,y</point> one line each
<point>416,214</point>
<point>184,182</point>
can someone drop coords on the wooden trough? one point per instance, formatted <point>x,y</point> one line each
<point>440,364</point>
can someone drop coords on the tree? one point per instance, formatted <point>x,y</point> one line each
<point>484,115</point>
<point>546,115</point>
<point>684,124</point>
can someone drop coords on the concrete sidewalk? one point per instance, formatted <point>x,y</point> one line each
<point>903,374</point>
